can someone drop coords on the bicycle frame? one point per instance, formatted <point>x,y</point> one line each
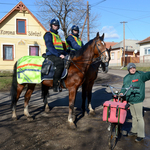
<point>115,127</point>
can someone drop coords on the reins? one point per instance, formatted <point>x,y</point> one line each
<point>98,59</point>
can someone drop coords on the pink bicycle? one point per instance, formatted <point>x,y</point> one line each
<point>115,112</point>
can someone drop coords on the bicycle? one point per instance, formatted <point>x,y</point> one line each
<point>115,112</point>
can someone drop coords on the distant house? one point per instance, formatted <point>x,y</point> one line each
<point>145,50</point>
<point>21,34</point>
<point>108,44</point>
<point>131,53</point>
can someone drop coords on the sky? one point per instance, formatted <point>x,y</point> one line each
<point>111,13</point>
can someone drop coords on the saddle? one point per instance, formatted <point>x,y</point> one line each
<point>48,68</point>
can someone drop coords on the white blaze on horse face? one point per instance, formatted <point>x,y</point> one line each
<point>106,53</point>
<point>103,42</point>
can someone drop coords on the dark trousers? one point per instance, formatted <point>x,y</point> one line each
<point>59,64</point>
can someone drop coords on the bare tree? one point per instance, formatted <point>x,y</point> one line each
<point>68,12</point>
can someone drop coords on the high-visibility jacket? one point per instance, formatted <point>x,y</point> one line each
<point>57,41</point>
<point>78,40</point>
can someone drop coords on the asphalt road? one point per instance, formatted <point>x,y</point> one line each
<point>11,138</point>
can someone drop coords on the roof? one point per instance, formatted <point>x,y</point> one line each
<point>21,7</point>
<point>130,45</point>
<point>108,44</point>
<point>145,40</point>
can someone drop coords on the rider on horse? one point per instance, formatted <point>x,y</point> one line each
<point>55,51</point>
<point>73,42</point>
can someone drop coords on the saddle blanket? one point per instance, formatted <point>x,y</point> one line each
<point>29,69</point>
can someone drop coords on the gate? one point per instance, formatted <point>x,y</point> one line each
<point>130,60</point>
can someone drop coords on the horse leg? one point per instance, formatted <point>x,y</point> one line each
<point>45,95</point>
<point>15,99</point>
<point>83,98</point>
<point>89,95</point>
<point>71,117</point>
<point>28,93</point>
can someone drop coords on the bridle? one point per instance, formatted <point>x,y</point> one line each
<point>99,52</point>
<point>97,59</point>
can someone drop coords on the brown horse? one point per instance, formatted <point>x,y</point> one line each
<point>90,77</point>
<point>79,64</point>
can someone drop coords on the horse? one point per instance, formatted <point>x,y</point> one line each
<point>79,64</point>
<point>90,77</point>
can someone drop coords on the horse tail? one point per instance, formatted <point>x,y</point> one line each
<point>13,92</point>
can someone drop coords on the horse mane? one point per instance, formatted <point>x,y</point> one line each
<point>82,49</point>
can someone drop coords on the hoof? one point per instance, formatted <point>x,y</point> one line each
<point>92,114</point>
<point>47,110</point>
<point>14,118</point>
<point>30,118</point>
<point>72,126</point>
<point>83,112</point>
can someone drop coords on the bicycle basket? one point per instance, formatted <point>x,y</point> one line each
<point>114,112</point>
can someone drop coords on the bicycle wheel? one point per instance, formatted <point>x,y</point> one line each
<point>113,136</point>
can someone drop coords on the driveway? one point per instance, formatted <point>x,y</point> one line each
<point>49,131</point>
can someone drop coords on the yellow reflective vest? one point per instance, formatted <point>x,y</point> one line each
<point>78,40</point>
<point>57,41</point>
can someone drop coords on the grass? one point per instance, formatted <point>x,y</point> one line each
<point>6,81</point>
<point>144,69</point>
<point>6,78</point>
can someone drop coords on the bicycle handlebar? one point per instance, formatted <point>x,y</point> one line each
<point>127,89</point>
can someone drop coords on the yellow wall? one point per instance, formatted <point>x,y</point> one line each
<point>8,35</point>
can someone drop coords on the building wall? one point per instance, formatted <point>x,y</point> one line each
<point>116,61</point>
<point>21,43</point>
<point>144,58</point>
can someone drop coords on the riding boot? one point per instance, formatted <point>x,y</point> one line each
<point>60,89</point>
<point>55,85</point>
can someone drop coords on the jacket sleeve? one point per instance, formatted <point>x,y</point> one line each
<point>145,76</point>
<point>123,86</point>
<point>82,44</point>
<point>71,41</point>
<point>49,44</point>
<point>123,90</point>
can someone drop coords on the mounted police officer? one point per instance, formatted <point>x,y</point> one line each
<point>55,51</point>
<point>73,42</point>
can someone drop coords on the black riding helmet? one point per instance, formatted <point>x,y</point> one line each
<point>54,22</point>
<point>75,27</point>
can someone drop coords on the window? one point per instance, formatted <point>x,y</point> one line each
<point>21,26</point>
<point>8,52</point>
<point>147,51</point>
<point>34,50</point>
<point>112,56</point>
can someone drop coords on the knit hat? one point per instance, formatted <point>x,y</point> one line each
<point>131,65</point>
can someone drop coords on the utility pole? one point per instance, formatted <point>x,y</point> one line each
<point>83,27</point>
<point>88,21</point>
<point>123,42</point>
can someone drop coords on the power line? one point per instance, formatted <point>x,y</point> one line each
<point>14,4</point>
<point>97,3</point>
<point>124,9</point>
<point>81,17</point>
<point>131,31</point>
<point>132,19</point>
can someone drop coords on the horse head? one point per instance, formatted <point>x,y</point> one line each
<point>106,64</point>
<point>100,48</point>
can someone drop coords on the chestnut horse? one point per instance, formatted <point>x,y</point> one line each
<point>90,77</point>
<point>79,64</point>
